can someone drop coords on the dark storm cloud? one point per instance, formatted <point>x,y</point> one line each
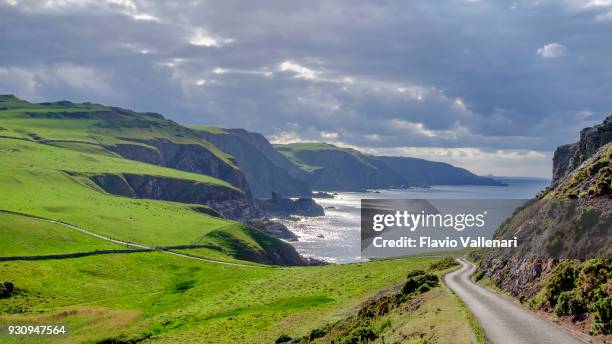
<point>512,77</point>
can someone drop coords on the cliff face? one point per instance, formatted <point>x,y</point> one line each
<point>568,157</point>
<point>260,163</point>
<point>185,157</point>
<point>419,171</point>
<point>230,203</point>
<point>570,220</point>
<point>327,167</point>
<point>341,170</point>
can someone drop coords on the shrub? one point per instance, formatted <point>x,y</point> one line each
<point>603,316</point>
<point>420,283</point>
<point>317,333</point>
<point>6,289</point>
<point>569,303</point>
<point>479,275</point>
<point>361,334</point>
<point>563,278</point>
<point>415,273</point>
<point>282,339</point>
<point>443,264</point>
<point>554,244</point>
<point>594,273</point>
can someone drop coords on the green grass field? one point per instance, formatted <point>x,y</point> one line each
<point>24,236</point>
<point>174,299</point>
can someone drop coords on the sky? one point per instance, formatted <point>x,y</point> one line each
<point>492,86</point>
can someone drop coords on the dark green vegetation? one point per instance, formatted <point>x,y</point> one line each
<point>327,167</point>
<point>574,288</point>
<point>562,264</point>
<point>444,263</point>
<point>6,289</point>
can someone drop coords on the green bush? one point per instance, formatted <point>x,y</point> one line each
<point>563,278</point>
<point>603,316</point>
<point>283,339</point>
<point>420,282</point>
<point>569,303</point>
<point>317,333</point>
<point>479,274</point>
<point>6,289</point>
<point>361,334</point>
<point>594,273</point>
<point>443,264</point>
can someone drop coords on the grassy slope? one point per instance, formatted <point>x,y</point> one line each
<point>33,181</point>
<point>439,318</point>
<point>178,300</point>
<point>31,174</point>
<point>23,236</point>
<point>85,123</point>
<point>292,152</point>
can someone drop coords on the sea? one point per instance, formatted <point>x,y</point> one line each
<point>335,237</point>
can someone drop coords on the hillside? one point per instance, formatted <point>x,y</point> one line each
<point>568,223</point>
<point>264,168</point>
<point>328,167</point>
<point>74,163</point>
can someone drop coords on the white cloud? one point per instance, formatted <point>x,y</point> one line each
<point>301,72</point>
<point>145,17</point>
<point>201,38</point>
<point>329,135</point>
<point>552,51</point>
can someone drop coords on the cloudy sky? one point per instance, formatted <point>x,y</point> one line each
<point>493,86</point>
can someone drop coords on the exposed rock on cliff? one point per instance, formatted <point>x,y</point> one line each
<point>263,167</point>
<point>230,203</point>
<point>279,206</point>
<point>185,157</point>
<point>568,157</point>
<point>327,167</point>
<point>273,228</point>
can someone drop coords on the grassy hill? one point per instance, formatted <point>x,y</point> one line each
<point>47,165</point>
<point>328,167</point>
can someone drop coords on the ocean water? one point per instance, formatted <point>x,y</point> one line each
<point>335,237</point>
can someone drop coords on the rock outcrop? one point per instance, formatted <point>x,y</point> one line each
<point>279,206</point>
<point>568,157</point>
<point>263,167</point>
<point>228,202</point>
<point>273,228</point>
<point>185,157</point>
